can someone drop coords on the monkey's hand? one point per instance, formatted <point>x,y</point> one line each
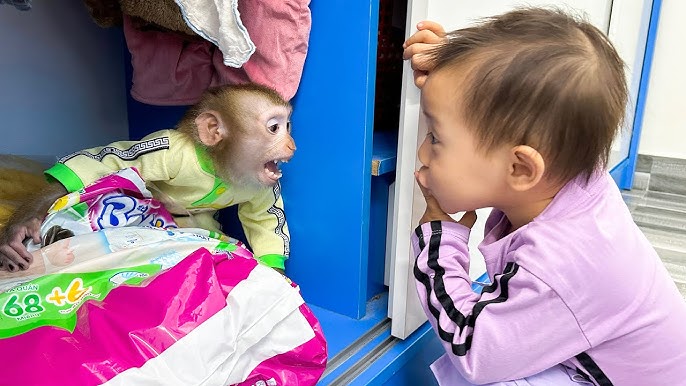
<point>429,34</point>
<point>13,252</point>
<point>25,224</point>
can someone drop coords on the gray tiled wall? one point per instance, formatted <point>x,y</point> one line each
<point>661,174</point>
<point>658,204</point>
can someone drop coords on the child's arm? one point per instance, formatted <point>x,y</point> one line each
<point>516,328</point>
<point>428,35</point>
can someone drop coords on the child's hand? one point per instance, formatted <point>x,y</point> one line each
<point>428,35</point>
<point>434,212</point>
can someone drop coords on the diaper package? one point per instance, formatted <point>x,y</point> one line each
<point>122,296</point>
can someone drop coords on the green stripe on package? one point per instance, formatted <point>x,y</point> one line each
<point>53,300</point>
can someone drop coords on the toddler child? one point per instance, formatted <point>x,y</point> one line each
<point>521,113</point>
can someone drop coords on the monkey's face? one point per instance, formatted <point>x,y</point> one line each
<point>253,156</point>
<point>247,131</point>
<point>276,131</point>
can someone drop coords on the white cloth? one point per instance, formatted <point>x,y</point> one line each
<point>261,320</point>
<point>219,22</point>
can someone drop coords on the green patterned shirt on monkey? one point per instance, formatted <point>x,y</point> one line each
<point>181,175</point>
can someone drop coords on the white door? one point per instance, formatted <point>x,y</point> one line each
<point>625,21</point>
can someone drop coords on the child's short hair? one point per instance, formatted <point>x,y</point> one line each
<point>542,78</point>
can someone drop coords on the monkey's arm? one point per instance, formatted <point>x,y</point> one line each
<point>25,223</point>
<point>264,222</point>
<point>149,156</point>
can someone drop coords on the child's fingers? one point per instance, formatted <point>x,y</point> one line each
<point>426,37</point>
<point>468,219</point>
<point>421,62</point>
<point>432,26</point>
<point>425,191</point>
<point>417,49</point>
<point>420,78</point>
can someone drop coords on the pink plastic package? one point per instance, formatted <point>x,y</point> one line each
<point>151,304</point>
<point>116,200</point>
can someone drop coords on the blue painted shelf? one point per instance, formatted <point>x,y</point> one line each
<point>384,152</point>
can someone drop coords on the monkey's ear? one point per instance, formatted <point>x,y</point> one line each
<point>210,128</point>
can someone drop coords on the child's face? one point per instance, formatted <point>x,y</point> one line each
<point>458,175</point>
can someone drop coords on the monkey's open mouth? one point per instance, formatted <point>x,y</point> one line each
<point>272,170</point>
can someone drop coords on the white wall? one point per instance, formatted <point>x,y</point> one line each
<point>61,80</point>
<point>664,123</point>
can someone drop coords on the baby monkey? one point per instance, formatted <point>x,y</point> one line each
<point>225,151</point>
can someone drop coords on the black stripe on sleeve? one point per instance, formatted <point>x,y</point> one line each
<point>426,281</point>
<point>592,368</point>
<point>583,375</point>
<point>445,300</point>
<point>510,270</point>
<point>439,287</point>
<point>420,236</point>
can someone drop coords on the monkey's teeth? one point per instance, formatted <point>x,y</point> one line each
<point>272,169</point>
<point>274,175</point>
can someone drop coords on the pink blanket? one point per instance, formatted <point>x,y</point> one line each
<point>174,69</point>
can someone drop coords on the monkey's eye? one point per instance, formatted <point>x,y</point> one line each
<point>273,128</point>
<point>288,126</point>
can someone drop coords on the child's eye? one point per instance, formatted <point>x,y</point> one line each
<point>432,138</point>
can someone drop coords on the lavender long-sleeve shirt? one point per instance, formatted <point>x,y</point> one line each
<point>579,285</point>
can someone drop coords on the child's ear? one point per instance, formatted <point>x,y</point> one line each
<point>210,128</point>
<point>526,168</point>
